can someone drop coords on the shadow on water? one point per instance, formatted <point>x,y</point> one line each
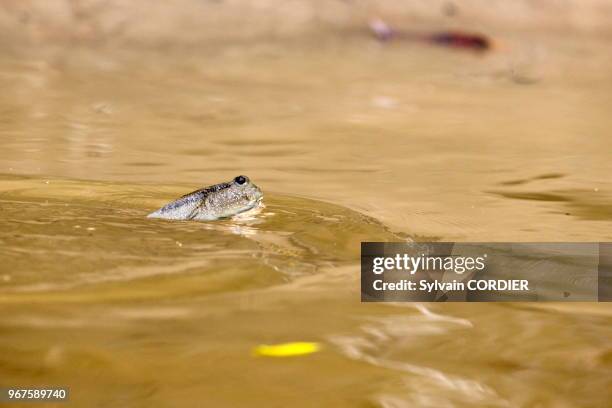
<point>583,204</point>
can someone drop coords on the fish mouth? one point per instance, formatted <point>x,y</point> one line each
<point>256,195</point>
<point>255,202</point>
<point>258,203</point>
<point>251,211</point>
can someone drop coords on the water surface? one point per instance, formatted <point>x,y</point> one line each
<point>350,140</point>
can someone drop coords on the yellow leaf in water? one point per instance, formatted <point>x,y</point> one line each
<point>286,349</point>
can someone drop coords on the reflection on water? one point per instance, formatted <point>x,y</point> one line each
<point>351,141</point>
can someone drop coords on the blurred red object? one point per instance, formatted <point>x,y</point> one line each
<point>461,40</point>
<point>454,39</point>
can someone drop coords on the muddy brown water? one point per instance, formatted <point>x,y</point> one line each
<point>350,140</point>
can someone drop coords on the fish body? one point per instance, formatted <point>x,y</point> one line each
<point>212,203</point>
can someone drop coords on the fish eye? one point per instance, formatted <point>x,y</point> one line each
<point>240,180</point>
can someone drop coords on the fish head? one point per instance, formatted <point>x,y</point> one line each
<point>241,195</point>
<point>251,193</point>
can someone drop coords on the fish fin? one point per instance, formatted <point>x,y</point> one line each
<point>197,208</point>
